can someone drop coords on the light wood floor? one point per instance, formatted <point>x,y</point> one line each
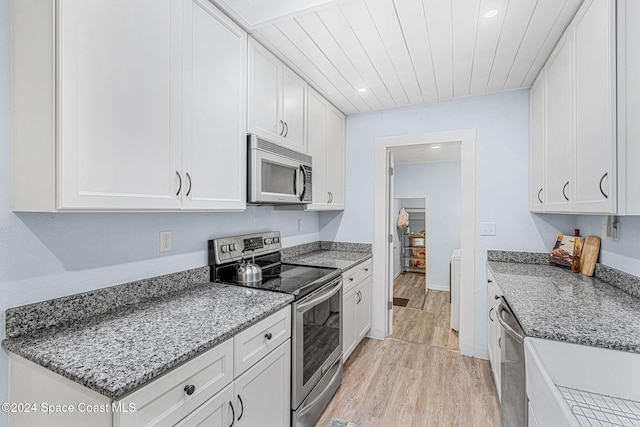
<point>414,378</point>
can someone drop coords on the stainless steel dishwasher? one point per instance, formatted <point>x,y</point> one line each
<point>513,406</point>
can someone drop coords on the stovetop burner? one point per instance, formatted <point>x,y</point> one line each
<point>298,280</point>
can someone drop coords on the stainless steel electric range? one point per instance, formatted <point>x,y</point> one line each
<point>317,312</point>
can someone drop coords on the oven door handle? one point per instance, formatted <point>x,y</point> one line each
<point>321,297</point>
<point>508,329</point>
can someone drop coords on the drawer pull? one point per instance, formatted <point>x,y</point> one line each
<point>351,279</point>
<point>241,407</point>
<point>366,269</point>
<point>189,389</point>
<point>268,336</point>
<point>233,415</point>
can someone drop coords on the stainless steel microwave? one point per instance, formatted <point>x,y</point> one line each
<point>277,175</point>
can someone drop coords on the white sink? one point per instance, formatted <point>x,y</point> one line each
<point>597,383</point>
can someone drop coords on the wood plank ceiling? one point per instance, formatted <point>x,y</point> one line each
<point>366,55</point>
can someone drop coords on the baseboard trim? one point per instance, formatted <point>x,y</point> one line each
<point>438,287</point>
<point>481,352</point>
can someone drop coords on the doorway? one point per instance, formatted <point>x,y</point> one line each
<point>382,324</point>
<point>409,246</point>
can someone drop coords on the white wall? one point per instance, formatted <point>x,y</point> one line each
<point>502,165</point>
<point>441,182</point>
<point>44,256</point>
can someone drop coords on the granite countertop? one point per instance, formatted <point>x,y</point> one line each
<point>116,352</point>
<point>344,260</point>
<point>553,303</point>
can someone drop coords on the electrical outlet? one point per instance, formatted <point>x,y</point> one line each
<point>165,241</point>
<point>300,225</point>
<point>487,228</point>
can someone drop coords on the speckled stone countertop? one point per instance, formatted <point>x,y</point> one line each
<point>553,303</point>
<point>343,260</point>
<point>116,352</point>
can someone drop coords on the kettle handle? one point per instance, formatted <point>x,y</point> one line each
<point>253,254</point>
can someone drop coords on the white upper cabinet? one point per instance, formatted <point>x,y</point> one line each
<point>119,141</point>
<point>336,157</point>
<point>628,112</point>
<point>573,116</point>
<point>277,100</point>
<point>214,110</point>
<point>326,137</point>
<point>594,185</point>
<point>537,167</point>
<point>559,127</point>
<point>115,113</point>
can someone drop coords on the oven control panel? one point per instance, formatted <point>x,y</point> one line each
<point>229,249</point>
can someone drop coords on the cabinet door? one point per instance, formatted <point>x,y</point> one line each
<point>349,335</point>
<point>536,172</point>
<point>628,108</point>
<point>263,393</point>
<point>118,104</point>
<point>215,412</point>
<point>595,166</point>
<point>335,171</point>
<point>559,137</point>
<point>317,109</point>
<point>214,108</point>
<point>363,309</point>
<point>294,101</point>
<point>265,80</point>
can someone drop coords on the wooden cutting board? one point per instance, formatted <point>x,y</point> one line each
<point>589,256</point>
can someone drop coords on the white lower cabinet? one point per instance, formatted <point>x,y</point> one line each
<point>203,391</point>
<point>494,343</point>
<point>262,394</point>
<point>356,306</point>
<point>215,412</point>
<point>246,402</point>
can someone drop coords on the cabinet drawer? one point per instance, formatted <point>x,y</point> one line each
<point>164,401</point>
<point>364,270</point>
<point>349,279</point>
<point>256,342</point>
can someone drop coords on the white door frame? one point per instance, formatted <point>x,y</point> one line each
<point>382,290</point>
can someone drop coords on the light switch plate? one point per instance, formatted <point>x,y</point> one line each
<point>487,228</point>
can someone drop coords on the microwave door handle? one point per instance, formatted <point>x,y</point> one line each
<point>296,178</point>
<point>303,190</point>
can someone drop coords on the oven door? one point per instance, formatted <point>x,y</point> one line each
<point>317,338</point>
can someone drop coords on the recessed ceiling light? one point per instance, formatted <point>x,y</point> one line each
<point>435,147</point>
<point>362,89</point>
<point>491,13</point>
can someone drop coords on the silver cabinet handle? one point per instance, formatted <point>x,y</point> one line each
<point>180,183</point>
<point>602,179</point>
<point>563,191</point>
<point>539,192</point>
<point>287,129</point>
<point>491,318</point>
<point>233,415</point>
<point>189,190</point>
<point>282,124</point>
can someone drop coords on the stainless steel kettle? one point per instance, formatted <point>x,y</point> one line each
<point>248,271</point>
